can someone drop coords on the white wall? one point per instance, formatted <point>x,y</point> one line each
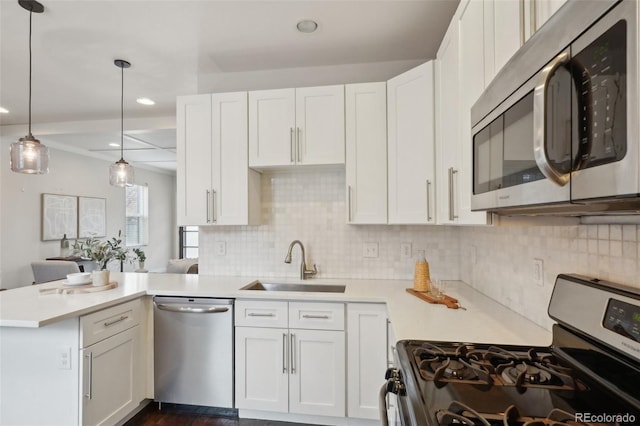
<point>73,174</point>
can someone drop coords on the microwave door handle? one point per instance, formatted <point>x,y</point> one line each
<point>539,121</point>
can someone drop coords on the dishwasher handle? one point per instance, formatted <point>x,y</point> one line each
<point>192,309</point>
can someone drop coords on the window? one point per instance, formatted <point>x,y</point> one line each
<point>137,215</point>
<point>188,242</point>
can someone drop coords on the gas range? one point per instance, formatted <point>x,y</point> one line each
<point>590,374</point>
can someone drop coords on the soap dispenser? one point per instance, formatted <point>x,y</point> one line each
<point>421,279</point>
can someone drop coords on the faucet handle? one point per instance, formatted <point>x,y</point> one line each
<point>313,271</point>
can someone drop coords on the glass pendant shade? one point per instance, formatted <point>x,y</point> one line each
<point>121,174</point>
<point>28,155</point>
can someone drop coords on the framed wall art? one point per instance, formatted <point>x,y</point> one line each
<point>92,217</point>
<point>59,216</point>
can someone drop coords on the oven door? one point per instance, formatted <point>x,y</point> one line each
<point>608,53</point>
<point>520,146</point>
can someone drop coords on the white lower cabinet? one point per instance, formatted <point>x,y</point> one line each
<point>112,368</point>
<point>290,370</point>
<point>367,357</point>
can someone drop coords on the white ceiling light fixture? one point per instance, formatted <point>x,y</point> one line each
<point>4,110</point>
<point>121,173</point>
<point>307,26</point>
<point>145,101</point>
<point>28,155</point>
<point>115,145</point>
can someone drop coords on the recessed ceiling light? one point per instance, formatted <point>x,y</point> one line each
<point>307,26</point>
<point>4,111</point>
<point>145,101</point>
<point>117,145</point>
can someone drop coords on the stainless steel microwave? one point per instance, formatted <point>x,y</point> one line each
<point>558,128</point>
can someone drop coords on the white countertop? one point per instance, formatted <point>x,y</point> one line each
<point>483,321</point>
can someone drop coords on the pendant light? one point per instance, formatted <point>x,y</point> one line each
<point>121,173</point>
<point>28,155</point>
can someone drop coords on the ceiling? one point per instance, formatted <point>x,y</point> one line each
<point>176,47</point>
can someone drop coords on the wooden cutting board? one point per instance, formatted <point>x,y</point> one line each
<point>75,289</point>
<point>449,301</point>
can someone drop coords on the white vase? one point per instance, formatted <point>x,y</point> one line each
<point>100,277</point>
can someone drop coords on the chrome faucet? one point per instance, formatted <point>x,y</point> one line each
<point>304,272</point>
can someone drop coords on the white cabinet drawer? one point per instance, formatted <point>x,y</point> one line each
<point>108,322</point>
<point>316,316</point>
<point>261,313</point>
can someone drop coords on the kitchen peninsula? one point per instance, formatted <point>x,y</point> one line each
<point>41,347</point>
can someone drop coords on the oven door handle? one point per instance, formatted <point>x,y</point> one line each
<point>382,404</point>
<point>540,123</point>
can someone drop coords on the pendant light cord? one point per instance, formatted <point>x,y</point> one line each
<point>122,114</point>
<point>30,18</point>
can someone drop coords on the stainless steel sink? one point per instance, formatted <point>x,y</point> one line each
<point>322,288</point>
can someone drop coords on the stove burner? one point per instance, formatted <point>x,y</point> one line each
<point>441,367</point>
<point>454,369</point>
<point>530,374</point>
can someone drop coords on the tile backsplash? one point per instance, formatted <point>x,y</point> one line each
<point>496,260</point>
<point>310,206</point>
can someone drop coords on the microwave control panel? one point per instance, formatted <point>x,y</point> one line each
<point>601,71</point>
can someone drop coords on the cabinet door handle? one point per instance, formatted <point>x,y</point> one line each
<point>285,355</point>
<point>315,316</point>
<point>429,201</point>
<point>291,148</point>
<point>109,323</point>
<point>452,215</point>
<point>533,22</point>
<point>349,201</point>
<point>257,314</point>
<point>87,373</point>
<point>293,353</point>
<point>521,10</point>
<point>298,144</point>
<point>208,204</point>
<point>213,206</point>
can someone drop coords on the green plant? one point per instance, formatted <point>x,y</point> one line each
<point>140,254</point>
<point>103,252</point>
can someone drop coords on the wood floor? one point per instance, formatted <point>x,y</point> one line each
<point>171,415</point>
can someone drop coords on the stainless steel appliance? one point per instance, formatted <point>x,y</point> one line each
<point>558,128</point>
<point>589,375</point>
<point>193,347</point>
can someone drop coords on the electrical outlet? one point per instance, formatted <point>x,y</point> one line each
<point>370,250</point>
<point>221,248</point>
<point>63,359</point>
<point>538,272</point>
<point>405,251</point>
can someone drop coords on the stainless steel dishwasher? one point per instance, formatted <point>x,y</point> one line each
<point>193,347</point>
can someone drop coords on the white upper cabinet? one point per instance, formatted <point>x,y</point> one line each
<point>296,126</point>
<point>508,24</point>
<point>410,146</point>
<point>448,133</point>
<point>320,125</point>
<point>272,122</point>
<point>366,152</point>
<point>235,191</point>
<point>193,175</point>
<point>214,183</point>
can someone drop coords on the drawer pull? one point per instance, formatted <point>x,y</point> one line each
<point>87,375</point>
<point>256,314</point>
<point>315,316</point>
<point>122,318</point>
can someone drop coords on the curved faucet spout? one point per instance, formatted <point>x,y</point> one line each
<point>304,272</point>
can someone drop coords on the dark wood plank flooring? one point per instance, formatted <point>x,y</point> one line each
<point>178,415</point>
